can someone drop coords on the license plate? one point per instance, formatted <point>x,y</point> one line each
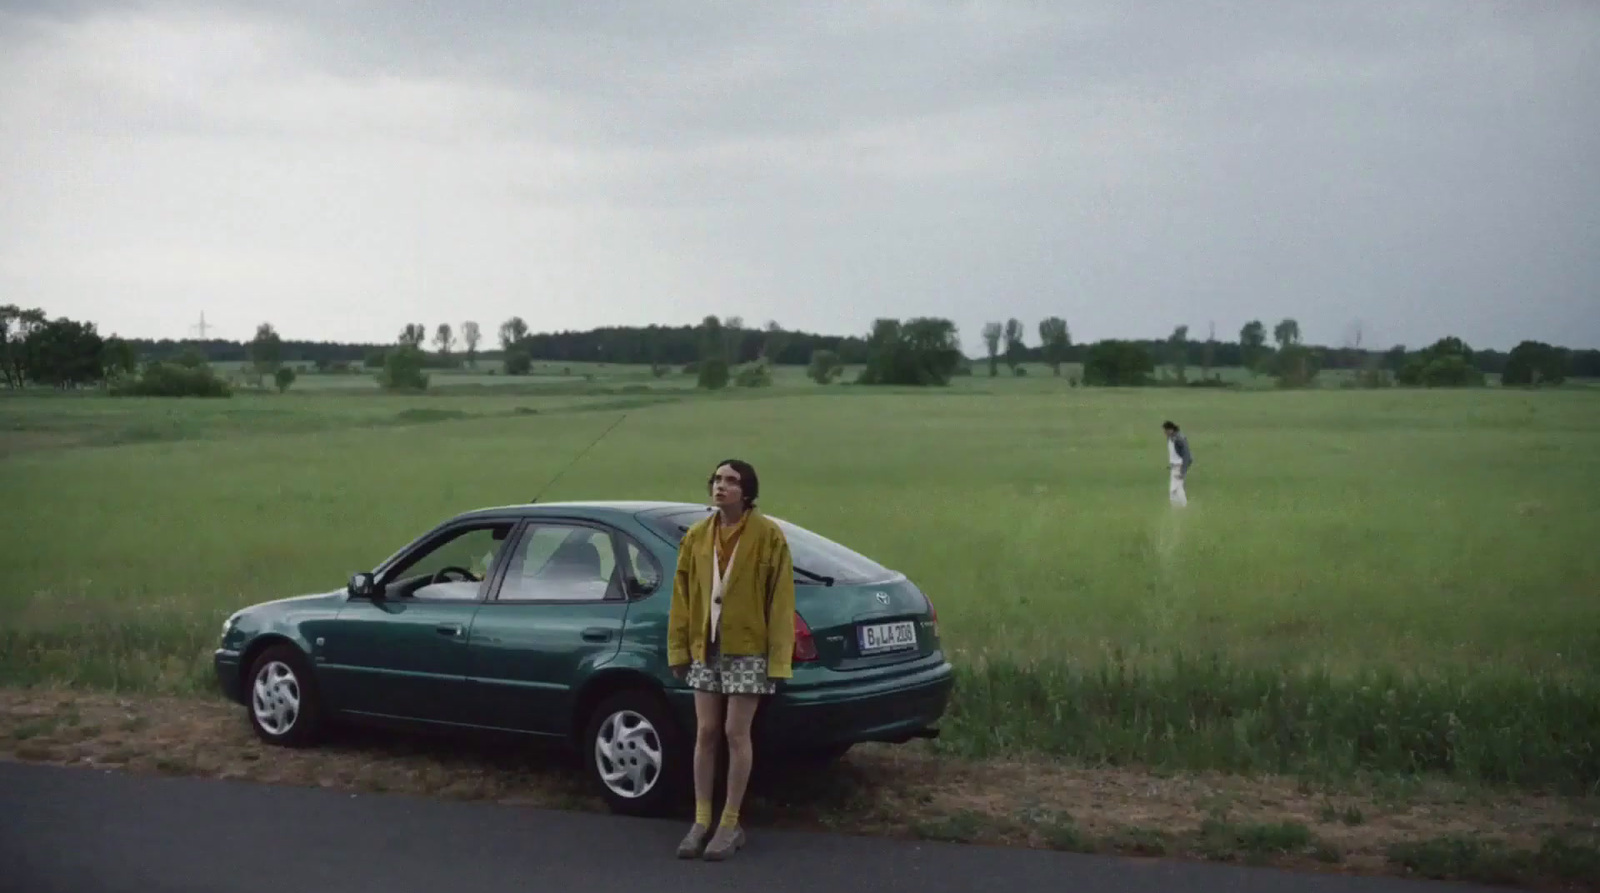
<point>881,637</point>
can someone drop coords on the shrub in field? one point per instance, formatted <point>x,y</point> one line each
<point>173,380</point>
<point>755,375</point>
<point>283,378</point>
<point>518,362</point>
<point>402,370</point>
<point>825,366</point>
<point>713,374</point>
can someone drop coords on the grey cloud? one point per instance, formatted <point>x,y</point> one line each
<point>1425,166</point>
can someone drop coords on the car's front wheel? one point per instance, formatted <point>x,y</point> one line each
<point>284,708</point>
<point>636,754</point>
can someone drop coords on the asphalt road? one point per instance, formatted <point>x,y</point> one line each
<point>87,831</point>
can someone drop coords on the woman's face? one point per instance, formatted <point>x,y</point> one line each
<point>726,491</point>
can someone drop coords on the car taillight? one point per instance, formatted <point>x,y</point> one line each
<point>933,613</point>
<point>805,648</point>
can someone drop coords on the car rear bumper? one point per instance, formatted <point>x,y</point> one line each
<point>228,679</point>
<point>894,709</point>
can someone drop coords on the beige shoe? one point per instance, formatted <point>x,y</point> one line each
<point>693,842</point>
<point>725,843</point>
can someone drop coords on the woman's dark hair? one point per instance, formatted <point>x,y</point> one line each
<point>748,482</point>
<point>1170,426</point>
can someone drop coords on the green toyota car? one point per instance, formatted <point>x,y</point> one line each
<point>550,620</point>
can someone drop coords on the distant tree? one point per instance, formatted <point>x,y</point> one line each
<point>1117,363</point>
<point>992,332</point>
<point>402,369</point>
<point>473,336</point>
<point>1296,366</point>
<point>1535,363</point>
<point>445,339</point>
<point>1394,359</point>
<point>413,335</point>
<point>1252,344</point>
<point>283,378</point>
<point>733,337</point>
<point>1178,352</point>
<point>512,331</point>
<point>1447,363</point>
<point>266,350</point>
<point>1208,356</point>
<point>1584,363</point>
<point>922,351</point>
<point>16,325</point>
<point>1055,341</point>
<point>64,353</point>
<point>825,366</point>
<point>1016,350</point>
<point>1286,333</point>
<point>119,358</point>
<point>714,346</point>
<point>776,342</point>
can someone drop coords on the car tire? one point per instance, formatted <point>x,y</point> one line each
<point>281,698</point>
<point>635,754</point>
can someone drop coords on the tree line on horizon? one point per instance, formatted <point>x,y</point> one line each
<point>35,349</point>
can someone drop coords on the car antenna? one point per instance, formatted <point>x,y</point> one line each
<point>576,458</point>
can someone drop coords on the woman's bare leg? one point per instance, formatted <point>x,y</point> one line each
<point>741,711</point>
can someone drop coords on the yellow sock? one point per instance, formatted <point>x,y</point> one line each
<point>730,818</point>
<point>702,812</point>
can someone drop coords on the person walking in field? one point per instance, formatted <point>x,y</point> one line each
<point>1179,458</point>
<point>730,635</point>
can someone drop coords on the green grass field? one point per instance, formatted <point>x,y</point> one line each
<point>1391,580</point>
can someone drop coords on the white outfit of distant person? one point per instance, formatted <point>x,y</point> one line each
<point>1179,458</point>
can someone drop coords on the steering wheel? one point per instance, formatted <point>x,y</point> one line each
<point>439,575</point>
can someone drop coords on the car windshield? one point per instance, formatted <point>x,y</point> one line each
<point>816,558</point>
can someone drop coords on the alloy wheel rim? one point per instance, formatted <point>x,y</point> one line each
<point>275,698</point>
<point>628,754</point>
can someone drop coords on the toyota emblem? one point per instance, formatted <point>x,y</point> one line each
<point>883,597</point>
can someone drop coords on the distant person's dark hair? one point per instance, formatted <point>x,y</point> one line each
<point>748,481</point>
<point>1170,426</point>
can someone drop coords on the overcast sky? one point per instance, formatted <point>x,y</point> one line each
<point>342,168</point>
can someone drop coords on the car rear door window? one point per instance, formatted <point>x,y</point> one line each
<point>561,563</point>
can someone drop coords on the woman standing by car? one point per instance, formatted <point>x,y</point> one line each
<point>730,633</point>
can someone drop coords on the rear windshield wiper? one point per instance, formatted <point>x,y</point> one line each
<point>820,578</point>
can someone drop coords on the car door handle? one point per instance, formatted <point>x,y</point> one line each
<point>448,629</point>
<point>596,634</point>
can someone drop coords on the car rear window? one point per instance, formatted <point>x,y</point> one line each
<point>812,552</point>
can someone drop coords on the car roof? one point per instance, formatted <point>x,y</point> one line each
<point>586,506</point>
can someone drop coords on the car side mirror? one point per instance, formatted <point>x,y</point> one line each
<point>362,585</point>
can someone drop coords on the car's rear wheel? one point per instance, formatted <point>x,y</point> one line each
<point>636,755</point>
<point>283,704</point>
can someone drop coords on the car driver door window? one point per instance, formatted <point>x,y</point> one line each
<point>404,653</point>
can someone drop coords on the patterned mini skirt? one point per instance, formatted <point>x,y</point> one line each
<point>730,675</point>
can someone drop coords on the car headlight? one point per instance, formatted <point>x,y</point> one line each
<point>227,625</point>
